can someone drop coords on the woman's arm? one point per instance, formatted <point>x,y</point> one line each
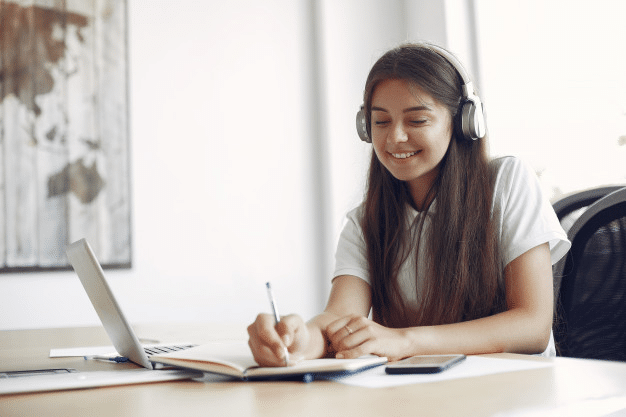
<point>524,328</point>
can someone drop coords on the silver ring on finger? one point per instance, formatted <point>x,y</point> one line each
<point>350,331</point>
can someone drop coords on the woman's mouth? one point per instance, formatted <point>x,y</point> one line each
<point>403,155</point>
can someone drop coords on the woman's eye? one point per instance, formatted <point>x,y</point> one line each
<point>418,122</point>
<point>380,122</point>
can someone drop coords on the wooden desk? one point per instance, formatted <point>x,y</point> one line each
<point>568,386</point>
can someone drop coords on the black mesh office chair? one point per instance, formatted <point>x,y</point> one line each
<point>591,309</point>
<point>569,208</point>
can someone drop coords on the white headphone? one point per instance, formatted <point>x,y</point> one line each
<point>472,115</point>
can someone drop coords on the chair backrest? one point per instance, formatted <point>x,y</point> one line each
<point>570,207</point>
<point>590,317</point>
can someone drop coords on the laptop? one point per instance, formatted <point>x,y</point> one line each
<point>121,334</point>
<point>126,342</point>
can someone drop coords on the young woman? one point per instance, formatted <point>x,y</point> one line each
<point>450,252</point>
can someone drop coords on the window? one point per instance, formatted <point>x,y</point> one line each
<point>552,79</point>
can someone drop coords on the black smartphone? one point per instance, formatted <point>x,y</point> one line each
<point>426,364</point>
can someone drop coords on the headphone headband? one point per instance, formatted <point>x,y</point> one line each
<point>472,117</point>
<point>452,60</point>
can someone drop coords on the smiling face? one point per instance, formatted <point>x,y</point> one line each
<point>411,133</point>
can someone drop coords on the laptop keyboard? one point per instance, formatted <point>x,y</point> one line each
<point>158,350</point>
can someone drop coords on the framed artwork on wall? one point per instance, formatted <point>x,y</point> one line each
<point>64,132</point>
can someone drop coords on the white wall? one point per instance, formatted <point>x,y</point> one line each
<point>244,158</point>
<point>220,131</point>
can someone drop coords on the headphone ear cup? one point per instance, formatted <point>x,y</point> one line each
<point>472,120</point>
<point>361,126</point>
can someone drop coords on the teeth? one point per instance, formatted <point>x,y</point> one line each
<point>403,155</point>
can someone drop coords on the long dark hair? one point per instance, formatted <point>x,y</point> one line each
<point>463,276</point>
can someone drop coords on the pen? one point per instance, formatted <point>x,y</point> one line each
<point>276,315</point>
<point>117,359</point>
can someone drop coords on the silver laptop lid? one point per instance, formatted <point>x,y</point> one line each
<point>91,275</point>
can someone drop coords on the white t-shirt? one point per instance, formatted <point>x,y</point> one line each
<point>525,219</point>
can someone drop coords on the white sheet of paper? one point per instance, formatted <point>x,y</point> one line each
<point>472,366</point>
<point>83,351</point>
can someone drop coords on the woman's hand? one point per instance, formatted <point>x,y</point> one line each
<point>349,296</point>
<point>353,336</point>
<point>270,341</point>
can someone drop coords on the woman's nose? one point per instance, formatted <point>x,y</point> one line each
<point>398,133</point>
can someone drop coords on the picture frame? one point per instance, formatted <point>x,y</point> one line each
<point>64,132</point>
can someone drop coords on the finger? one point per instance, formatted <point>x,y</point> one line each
<point>345,333</point>
<point>288,328</point>
<point>365,348</point>
<point>339,325</point>
<point>264,328</point>
<point>264,340</point>
<point>265,356</point>
<point>344,340</point>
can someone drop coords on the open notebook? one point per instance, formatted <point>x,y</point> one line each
<point>235,359</point>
